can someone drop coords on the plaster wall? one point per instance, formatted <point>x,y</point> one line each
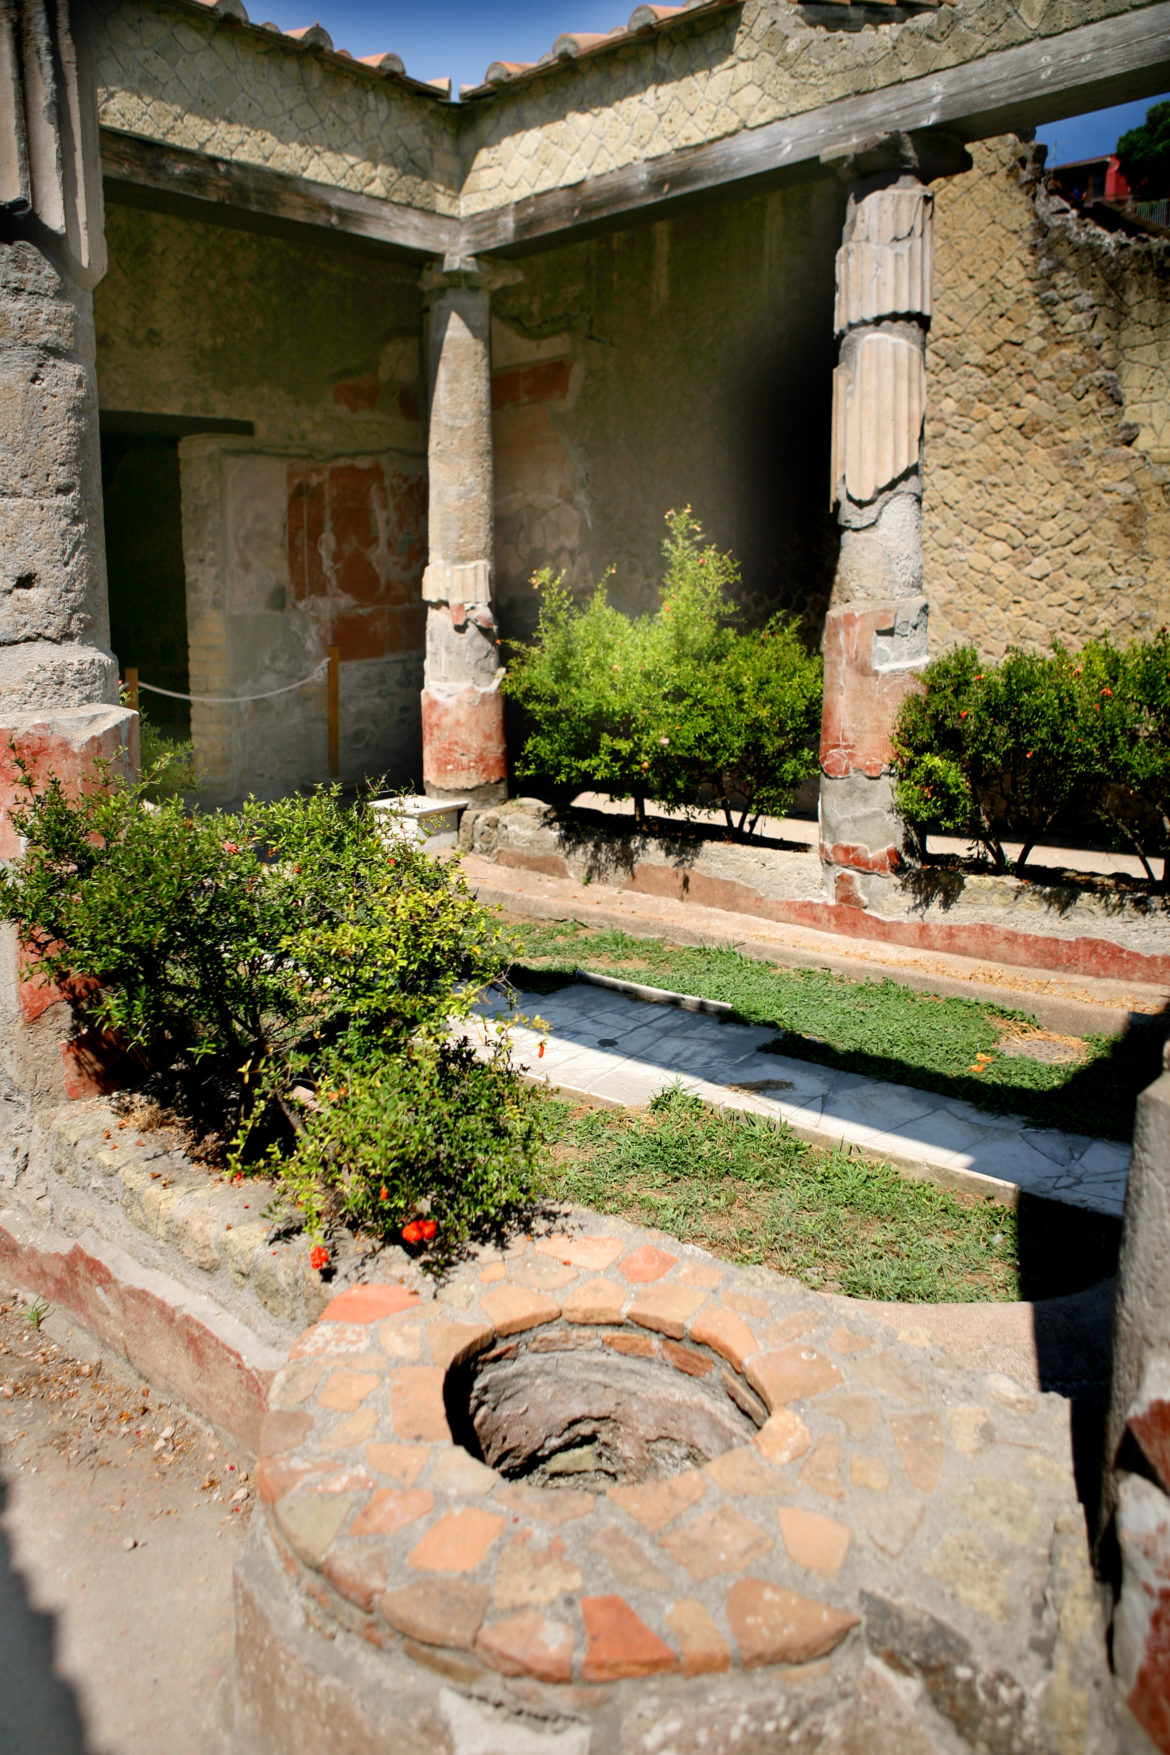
<point>312,531</point>
<point>689,361</point>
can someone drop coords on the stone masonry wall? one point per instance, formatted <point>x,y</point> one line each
<point>203,82</point>
<point>311,533</point>
<point>713,77</point>
<point>1047,508</point>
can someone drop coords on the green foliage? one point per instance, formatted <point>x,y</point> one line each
<point>1144,153</point>
<point>168,763</point>
<point>1041,741</point>
<point>271,955</point>
<point>958,1047</point>
<point>752,1192</point>
<point>663,705</point>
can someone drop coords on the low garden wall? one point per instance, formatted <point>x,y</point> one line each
<point>1090,927</point>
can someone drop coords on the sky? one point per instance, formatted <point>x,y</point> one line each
<point>461,38</point>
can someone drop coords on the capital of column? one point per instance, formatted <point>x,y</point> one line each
<point>453,273</point>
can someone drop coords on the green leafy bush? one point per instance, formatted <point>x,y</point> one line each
<point>267,957</point>
<point>1037,743</point>
<point>664,705</point>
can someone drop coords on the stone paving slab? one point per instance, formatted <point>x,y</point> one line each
<point>611,1048</point>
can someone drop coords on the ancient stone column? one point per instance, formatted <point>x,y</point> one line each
<point>462,709</point>
<point>54,615</point>
<point>876,629</point>
<point>58,679</point>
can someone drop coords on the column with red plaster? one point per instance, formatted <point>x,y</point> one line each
<point>876,630</point>
<point>58,678</point>
<point>462,708</point>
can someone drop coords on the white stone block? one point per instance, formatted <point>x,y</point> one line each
<point>434,821</point>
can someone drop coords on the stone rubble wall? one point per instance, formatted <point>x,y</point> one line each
<point>205,83</point>
<point>1047,506</point>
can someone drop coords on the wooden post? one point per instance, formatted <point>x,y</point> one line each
<point>130,687</point>
<point>334,712</point>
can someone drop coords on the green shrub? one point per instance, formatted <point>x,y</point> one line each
<point>664,705</point>
<point>1039,742</point>
<point>271,955</point>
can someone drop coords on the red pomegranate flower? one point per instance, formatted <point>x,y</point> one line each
<point>412,1233</point>
<point>318,1258</point>
<point>427,1229</point>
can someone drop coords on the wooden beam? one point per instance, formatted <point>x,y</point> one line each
<point>220,190</point>
<point>1089,68</point>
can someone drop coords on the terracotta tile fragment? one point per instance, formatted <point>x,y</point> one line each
<point>700,1273</point>
<point>687,1360</point>
<point>354,1429</point>
<point>592,1253</point>
<point>920,1445</point>
<point>869,1472</point>
<point>856,1413</point>
<point>619,1643</point>
<point>391,1510</point>
<point>459,1542</point>
<point>491,1275</point>
<point>276,1475</point>
<point>281,1432</point>
<point>971,1428</point>
<point>530,1576</point>
<point>309,1522</point>
<point>654,1503</point>
<point>886,1372</point>
<point>416,1402</point>
<point>456,1471</point>
<point>817,1543</point>
<point>891,1523</point>
<point>448,1612</point>
<point>725,1333</point>
<point>646,1264</point>
<point>368,1303</point>
<point>776,1626</point>
<point>783,1437</point>
<point>352,1477</point>
<point>741,1471</point>
<point>512,1309</point>
<point>402,1462</point>
<point>540,1274</point>
<point>294,1385</point>
<point>802,1322</point>
<point>453,1342</point>
<point>723,1540</point>
<point>666,1309</point>
<point>597,1301</point>
<point>635,1346</point>
<point>843,1340</point>
<point>704,1650</point>
<point>359,1570</point>
<point>630,1564</point>
<point>791,1375</point>
<point>747,1305</point>
<point>821,1468</point>
<point>528,1644</point>
<point>560,1340</point>
<point>347,1389</point>
<point>744,1398</point>
<point>555,1505</point>
<point>402,1339</point>
<point>331,1340</point>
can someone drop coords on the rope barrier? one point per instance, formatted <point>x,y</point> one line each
<point>234,700</point>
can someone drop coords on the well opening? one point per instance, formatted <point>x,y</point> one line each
<point>564,1416</point>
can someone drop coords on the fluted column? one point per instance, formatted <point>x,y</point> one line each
<point>876,629</point>
<point>462,709</point>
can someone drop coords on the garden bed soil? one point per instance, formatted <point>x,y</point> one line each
<point>1114,928</point>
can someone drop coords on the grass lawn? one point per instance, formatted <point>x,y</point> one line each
<point>750,1191</point>
<point>961,1047</point>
